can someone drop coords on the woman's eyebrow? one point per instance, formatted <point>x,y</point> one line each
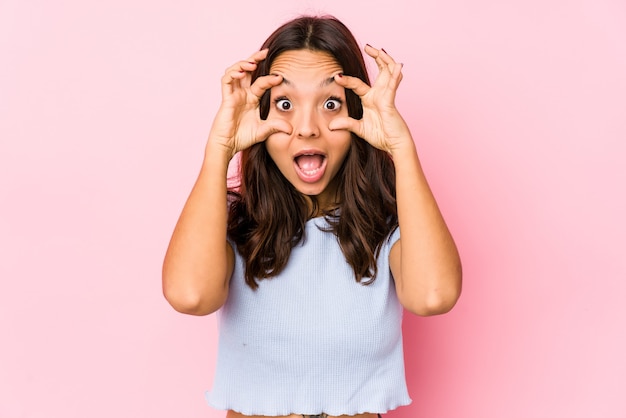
<point>327,81</point>
<point>324,82</point>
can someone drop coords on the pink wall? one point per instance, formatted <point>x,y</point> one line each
<point>519,112</point>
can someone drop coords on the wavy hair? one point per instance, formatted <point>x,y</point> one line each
<point>267,215</point>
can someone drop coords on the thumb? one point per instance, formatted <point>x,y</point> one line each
<point>274,126</point>
<point>345,123</point>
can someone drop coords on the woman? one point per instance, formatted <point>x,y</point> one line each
<point>304,258</point>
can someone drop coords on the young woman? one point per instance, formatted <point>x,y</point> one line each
<point>331,232</point>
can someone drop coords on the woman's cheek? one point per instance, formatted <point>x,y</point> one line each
<point>274,114</point>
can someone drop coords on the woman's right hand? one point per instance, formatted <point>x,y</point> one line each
<point>238,124</point>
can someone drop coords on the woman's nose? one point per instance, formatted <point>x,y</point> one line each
<point>308,125</point>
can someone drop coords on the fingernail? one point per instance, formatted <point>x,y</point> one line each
<point>340,75</point>
<point>251,62</point>
<point>383,49</point>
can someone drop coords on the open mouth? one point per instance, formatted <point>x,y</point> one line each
<point>310,166</point>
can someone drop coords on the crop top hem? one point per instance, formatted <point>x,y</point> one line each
<point>380,409</point>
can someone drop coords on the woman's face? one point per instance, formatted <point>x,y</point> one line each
<point>308,98</point>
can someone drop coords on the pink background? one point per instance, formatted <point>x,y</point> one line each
<point>519,112</point>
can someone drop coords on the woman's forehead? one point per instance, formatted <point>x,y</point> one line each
<point>304,62</point>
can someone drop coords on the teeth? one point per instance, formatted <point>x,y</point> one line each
<point>310,164</point>
<point>310,172</point>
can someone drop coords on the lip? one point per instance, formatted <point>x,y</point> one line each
<point>310,176</point>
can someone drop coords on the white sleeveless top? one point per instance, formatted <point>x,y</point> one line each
<point>311,340</point>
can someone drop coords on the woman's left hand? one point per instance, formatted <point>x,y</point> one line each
<point>381,125</point>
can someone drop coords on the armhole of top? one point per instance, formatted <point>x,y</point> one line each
<point>393,237</point>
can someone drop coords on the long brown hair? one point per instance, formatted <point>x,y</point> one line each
<point>267,214</point>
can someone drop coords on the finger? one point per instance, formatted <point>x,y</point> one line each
<point>233,74</point>
<point>382,58</point>
<point>376,54</point>
<point>242,67</point>
<point>273,126</point>
<point>396,76</point>
<point>387,59</point>
<point>247,65</point>
<point>393,66</point>
<point>259,55</point>
<point>251,63</point>
<point>345,123</point>
<point>253,60</point>
<point>353,83</point>
<point>239,74</point>
<point>231,80</point>
<point>262,84</point>
<point>379,54</point>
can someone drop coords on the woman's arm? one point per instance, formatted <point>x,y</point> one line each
<point>425,261</point>
<point>199,261</point>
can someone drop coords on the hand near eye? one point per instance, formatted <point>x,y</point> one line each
<point>381,125</point>
<point>238,124</point>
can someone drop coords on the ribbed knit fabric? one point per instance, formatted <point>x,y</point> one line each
<point>312,339</point>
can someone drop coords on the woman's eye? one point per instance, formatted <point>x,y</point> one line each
<point>332,104</point>
<point>283,104</point>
